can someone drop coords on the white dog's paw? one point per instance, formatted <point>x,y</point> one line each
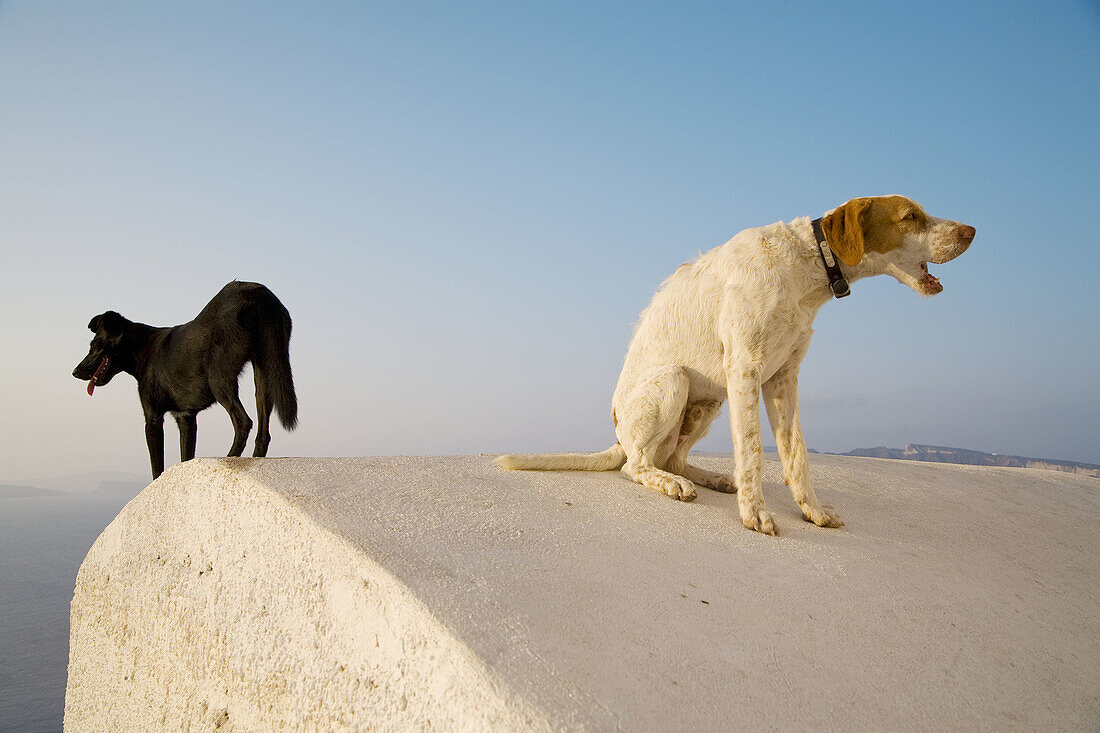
<point>680,488</point>
<point>760,520</point>
<point>720,482</point>
<point>824,516</point>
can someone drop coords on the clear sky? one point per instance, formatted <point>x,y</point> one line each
<point>466,205</point>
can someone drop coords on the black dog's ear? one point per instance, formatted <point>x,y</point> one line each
<point>111,323</point>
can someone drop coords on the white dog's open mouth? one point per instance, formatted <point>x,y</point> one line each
<point>929,283</point>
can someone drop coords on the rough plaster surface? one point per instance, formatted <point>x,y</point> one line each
<point>431,593</point>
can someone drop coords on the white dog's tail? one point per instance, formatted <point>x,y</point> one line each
<point>609,460</point>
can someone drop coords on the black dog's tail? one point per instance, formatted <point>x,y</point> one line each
<point>272,359</point>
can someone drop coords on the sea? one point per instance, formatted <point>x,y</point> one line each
<point>43,540</point>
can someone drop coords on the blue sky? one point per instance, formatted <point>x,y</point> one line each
<point>466,205</point>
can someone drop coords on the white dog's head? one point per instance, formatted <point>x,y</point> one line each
<point>893,235</point>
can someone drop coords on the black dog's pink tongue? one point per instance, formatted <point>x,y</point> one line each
<point>91,386</point>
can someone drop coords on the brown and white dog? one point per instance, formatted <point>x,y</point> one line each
<point>738,321</point>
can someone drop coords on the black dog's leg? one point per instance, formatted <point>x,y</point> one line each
<point>242,423</point>
<point>154,438</point>
<point>189,427</point>
<point>263,416</point>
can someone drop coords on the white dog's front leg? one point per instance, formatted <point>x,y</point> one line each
<point>743,388</point>
<point>781,401</point>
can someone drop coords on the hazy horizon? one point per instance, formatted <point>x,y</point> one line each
<point>119,482</point>
<point>466,206</point>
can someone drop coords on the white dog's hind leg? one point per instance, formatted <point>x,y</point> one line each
<point>781,401</point>
<point>697,419</point>
<point>743,388</point>
<point>648,427</point>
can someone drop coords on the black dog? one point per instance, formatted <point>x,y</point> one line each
<point>185,369</point>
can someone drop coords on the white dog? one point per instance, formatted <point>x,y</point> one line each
<point>738,320</point>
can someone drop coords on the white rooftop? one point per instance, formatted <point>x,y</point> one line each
<point>441,592</point>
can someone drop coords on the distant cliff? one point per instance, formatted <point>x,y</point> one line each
<point>942,454</point>
<point>12,491</point>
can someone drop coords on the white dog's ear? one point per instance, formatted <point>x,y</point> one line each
<point>844,230</point>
